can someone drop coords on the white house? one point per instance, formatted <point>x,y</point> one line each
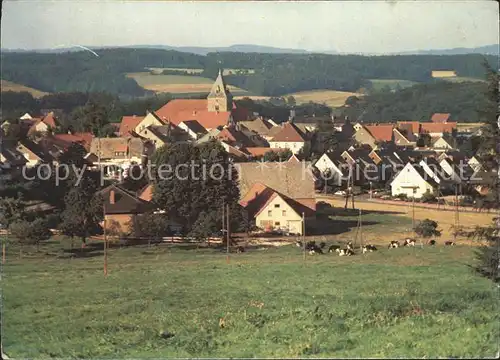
<point>290,137</point>
<point>151,119</point>
<point>413,181</point>
<point>440,143</point>
<point>328,163</point>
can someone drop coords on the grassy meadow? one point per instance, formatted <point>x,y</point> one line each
<point>10,86</point>
<point>379,84</point>
<point>266,302</point>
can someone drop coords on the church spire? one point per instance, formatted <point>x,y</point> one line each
<point>219,98</point>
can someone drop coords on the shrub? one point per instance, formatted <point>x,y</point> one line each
<point>428,197</point>
<point>427,228</point>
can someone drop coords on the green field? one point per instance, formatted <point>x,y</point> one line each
<point>379,84</point>
<point>408,302</point>
<point>460,79</point>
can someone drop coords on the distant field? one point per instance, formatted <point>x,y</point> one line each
<point>198,71</point>
<point>191,71</point>
<point>459,79</point>
<point>177,83</point>
<point>10,86</point>
<point>379,84</point>
<point>330,98</point>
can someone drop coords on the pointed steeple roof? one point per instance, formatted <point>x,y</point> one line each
<point>219,88</point>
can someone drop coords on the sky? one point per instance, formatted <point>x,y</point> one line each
<point>343,26</point>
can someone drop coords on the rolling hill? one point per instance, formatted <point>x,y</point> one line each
<point>10,86</point>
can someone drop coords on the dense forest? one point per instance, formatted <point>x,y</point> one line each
<point>275,74</point>
<point>464,101</point>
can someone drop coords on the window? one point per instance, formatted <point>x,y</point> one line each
<point>216,107</point>
<point>283,213</point>
<point>269,213</point>
<point>276,205</point>
<point>277,223</point>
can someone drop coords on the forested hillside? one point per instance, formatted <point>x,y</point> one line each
<point>274,74</point>
<point>464,101</point>
<point>83,71</point>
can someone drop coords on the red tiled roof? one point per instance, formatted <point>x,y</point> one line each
<point>121,148</point>
<point>438,127</point>
<point>50,120</point>
<point>380,132</point>
<point>179,110</point>
<point>128,124</point>
<point>414,125</point>
<point>260,151</point>
<point>85,139</point>
<point>288,133</point>
<point>440,118</point>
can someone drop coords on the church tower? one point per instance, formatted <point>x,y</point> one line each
<point>219,99</point>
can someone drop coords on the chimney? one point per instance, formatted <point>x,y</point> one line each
<point>112,197</point>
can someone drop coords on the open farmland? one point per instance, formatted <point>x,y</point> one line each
<point>408,302</point>
<point>445,219</point>
<point>10,86</point>
<point>177,83</point>
<point>330,98</point>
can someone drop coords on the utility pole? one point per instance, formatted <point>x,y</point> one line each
<point>105,240</point>
<point>361,229</point>
<point>304,236</point>
<point>227,232</point>
<point>457,216</point>
<point>370,190</point>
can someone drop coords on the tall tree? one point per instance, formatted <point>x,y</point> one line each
<point>83,209</point>
<point>202,180</point>
<point>489,154</point>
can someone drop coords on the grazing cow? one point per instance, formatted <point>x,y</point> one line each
<point>240,249</point>
<point>345,252</point>
<point>298,244</point>
<point>349,245</point>
<point>333,248</point>
<point>449,243</point>
<point>409,242</point>
<point>369,248</point>
<point>432,242</point>
<point>315,250</point>
<point>394,244</point>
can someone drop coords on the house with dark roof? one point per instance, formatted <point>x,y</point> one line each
<point>289,137</point>
<point>33,153</point>
<point>193,128</point>
<point>121,209</point>
<point>334,165</point>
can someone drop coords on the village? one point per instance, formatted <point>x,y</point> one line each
<point>234,179</point>
<point>407,160</point>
